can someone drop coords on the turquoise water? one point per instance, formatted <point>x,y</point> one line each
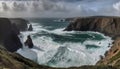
<point>50,24</point>
<point>60,48</point>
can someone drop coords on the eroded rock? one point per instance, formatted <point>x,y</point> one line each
<point>8,35</point>
<point>20,23</point>
<point>108,25</point>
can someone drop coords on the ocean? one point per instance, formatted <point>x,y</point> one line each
<point>57,48</point>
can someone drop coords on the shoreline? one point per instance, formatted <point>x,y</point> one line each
<point>115,49</point>
<point>23,63</point>
<point>106,25</point>
<point>102,34</point>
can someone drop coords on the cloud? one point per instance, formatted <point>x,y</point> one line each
<point>59,8</point>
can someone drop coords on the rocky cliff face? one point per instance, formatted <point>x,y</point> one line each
<point>20,23</point>
<point>9,30</point>
<point>112,57</point>
<point>107,25</point>
<point>8,35</point>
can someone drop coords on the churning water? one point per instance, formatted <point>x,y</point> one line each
<point>57,48</point>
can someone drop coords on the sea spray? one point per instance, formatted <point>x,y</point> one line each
<point>25,51</point>
<point>58,48</point>
<point>21,40</point>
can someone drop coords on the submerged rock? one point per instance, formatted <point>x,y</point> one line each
<point>107,25</point>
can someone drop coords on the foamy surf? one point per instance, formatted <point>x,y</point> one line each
<point>59,53</point>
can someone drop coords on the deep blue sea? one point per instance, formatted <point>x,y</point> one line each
<point>57,48</point>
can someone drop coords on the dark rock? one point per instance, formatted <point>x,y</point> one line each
<point>29,42</point>
<point>15,29</point>
<point>69,19</point>
<point>8,35</point>
<point>108,25</point>
<point>20,23</point>
<point>30,28</point>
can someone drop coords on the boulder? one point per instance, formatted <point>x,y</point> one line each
<point>8,35</point>
<point>20,23</point>
<point>108,25</point>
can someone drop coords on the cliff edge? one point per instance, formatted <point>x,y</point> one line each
<point>108,25</point>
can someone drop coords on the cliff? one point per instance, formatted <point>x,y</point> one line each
<point>112,57</point>
<point>20,23</point>
<point>9,42</point>
<point>9,33</point>
<point>108,25</point>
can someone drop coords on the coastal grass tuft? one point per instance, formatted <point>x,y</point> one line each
<point>117,56</point>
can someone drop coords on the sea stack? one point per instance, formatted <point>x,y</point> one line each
<point>30,28</point>
<point>29,42</point>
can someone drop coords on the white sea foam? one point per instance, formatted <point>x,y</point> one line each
<point>65,54</point>
<point>25,51</point>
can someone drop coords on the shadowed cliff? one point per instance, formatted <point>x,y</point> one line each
<point>108,25</point>
<point>9,32</point>
<point>20,23</point>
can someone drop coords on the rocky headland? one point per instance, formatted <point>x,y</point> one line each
<point>9,35</point>
<point>107,25</point>
<point>10,42</point>
<point>20,23</point>
<point>112,57</point>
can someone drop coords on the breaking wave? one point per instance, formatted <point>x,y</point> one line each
<point>58,48</point>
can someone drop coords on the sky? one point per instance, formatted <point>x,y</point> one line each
<point>59,8</point>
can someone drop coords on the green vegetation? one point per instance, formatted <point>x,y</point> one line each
<point>117,56</point>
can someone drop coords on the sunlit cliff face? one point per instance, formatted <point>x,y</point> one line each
<point>59,8</point>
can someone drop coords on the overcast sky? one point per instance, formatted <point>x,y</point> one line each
<point>59,8</point>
